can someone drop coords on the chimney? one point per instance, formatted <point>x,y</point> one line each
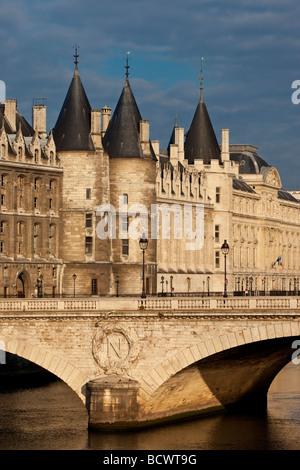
<point>96,121</point>
<point>39,120</point>
<point>225,145</point>
<point>96,127</point>
<point>106,112</point>
<point>179,141</point>
<point>144,131</point>
<point>10,113</point>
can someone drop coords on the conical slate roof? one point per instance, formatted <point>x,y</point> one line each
<point>72,130</point>
<point>201,142</point>
<point>122,136</point>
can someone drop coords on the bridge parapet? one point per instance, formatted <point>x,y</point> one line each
<point>112,304</point>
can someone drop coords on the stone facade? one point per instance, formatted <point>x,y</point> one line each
<point>54,189</point>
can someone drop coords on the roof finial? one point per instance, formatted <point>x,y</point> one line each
<point>76,55</point>
<point>201,76</point>
<point>127,67</point>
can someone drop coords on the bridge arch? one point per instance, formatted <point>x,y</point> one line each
<point>62,369</point>
<point>219,371</point>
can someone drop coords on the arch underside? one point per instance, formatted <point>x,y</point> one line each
<point>57,366</point>
<point>235,377</point>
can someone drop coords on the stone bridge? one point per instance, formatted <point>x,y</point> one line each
<point>138,362</point>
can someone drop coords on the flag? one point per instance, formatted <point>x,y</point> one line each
<point>278,261</point>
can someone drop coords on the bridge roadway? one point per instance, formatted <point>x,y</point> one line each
<point>138,362</point>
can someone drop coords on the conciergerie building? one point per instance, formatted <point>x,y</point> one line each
<point>76,202</point>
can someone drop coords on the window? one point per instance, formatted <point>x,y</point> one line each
<point>1,246</point>
<point>217,233</point>
<point>125,198</point>
<point>88,220</point>
<point>217,259</point>
<point>94,286</point>
<point>2,200</point>
<point>2,226</point>
<point>35,237</point>
<point>20,153</point>
<point>50,204</point>
<point>88,193</point>
<point>3,181</point>
<point>125,247</point>
<point>35,202</point>
<point>88,245</point>
<point>218,191</point>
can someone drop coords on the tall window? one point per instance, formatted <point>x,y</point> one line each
<point>35,237</point>
<point>88,193</point>
<point>125,247</point>
<point>217,233</point>
<point>88,220</point>
<point>94,286</point>
<point>217,259</point>
<point>88,245</point>
<point>218,194</point>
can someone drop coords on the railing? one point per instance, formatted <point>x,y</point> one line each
<point>116,304</point>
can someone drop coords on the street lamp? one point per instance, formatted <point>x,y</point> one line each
<point>143,246</point>
<point>188,283</point>
<point>74,278</point>
<point>117,284</point>
<point>40,285</point>
<point>171,285</point>
<point>162,284</point>
<point>225,251</point>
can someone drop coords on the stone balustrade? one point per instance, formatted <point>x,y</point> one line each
<point>112,305</point>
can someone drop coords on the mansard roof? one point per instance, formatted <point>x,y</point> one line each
<point>201,142</point>
<point>72,130</point>
<point>247,157</point>
<point>122,136</point>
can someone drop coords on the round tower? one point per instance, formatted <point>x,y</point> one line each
<point>132,176</point>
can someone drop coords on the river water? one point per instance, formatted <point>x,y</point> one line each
<point>52,417</point>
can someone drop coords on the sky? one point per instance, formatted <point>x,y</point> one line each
<point>249,51</point>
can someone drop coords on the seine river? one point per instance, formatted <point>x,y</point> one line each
<point>51,417</point>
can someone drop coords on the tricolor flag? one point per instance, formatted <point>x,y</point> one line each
<point>278,261</point>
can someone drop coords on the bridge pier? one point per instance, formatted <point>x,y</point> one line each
<point>112,402</point>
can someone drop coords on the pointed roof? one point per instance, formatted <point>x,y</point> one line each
<point>201,142</point>
<point>122,136</point>
<point>72,130</point>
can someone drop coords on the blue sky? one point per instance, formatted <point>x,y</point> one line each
<point>251,58</point>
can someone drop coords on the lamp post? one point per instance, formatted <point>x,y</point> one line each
<point>39,282</point>
<point>143,246</point>
<point>171,285</point>
<point>74,278</point>
<point>225,251</point>
<point>188,283</point>
<point>162,284</point>
<point>117,284</point>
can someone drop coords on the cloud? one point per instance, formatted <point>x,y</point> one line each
<point>251,53</point>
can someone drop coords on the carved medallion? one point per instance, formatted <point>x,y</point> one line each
<point>115,348</point>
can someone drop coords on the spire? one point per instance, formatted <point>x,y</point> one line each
<point>72,130</point>
<point>76,55</point>
<point>127,67</point>
<point>201,142</point>
<point>122,136</point>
